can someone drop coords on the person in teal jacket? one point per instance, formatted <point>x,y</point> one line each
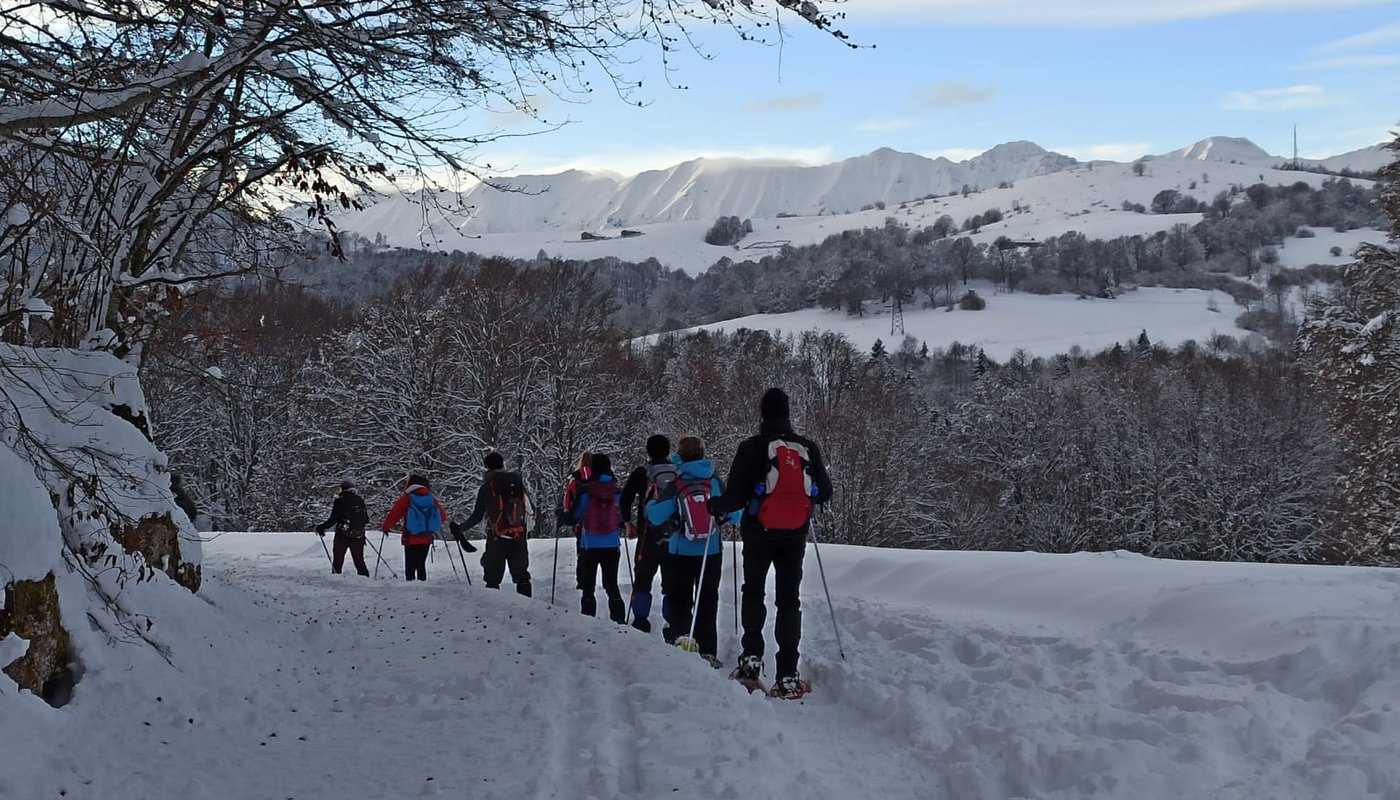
<point>696,550</point>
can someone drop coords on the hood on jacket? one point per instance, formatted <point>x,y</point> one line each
<point>699,468</point>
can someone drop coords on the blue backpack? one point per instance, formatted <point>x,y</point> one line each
<point>423,516</point>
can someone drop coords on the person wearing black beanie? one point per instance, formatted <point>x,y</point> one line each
<point>775,479</point>
<point>505,504</point>
<point>655,478</point>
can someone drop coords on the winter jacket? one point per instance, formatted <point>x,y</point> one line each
<point>485,504</point>
<point>340,513</point>
<point>589,540</point>
<point>400,510</point>
<point>750,469</point>
<point>658,511</point>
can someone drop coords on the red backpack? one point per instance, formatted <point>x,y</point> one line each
<point>692,499</point>
<point>787,500</point>
<point>602,514</point>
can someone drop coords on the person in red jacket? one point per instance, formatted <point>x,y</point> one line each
<point>423,516</point>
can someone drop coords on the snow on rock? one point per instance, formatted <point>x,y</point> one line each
<point>986,675</point>
<point>86,495</point>
<point>30,543</point>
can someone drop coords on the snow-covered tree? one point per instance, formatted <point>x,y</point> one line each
<point>1352,341</point>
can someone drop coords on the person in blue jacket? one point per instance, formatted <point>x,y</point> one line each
<point>597,512</point>
<point>696,550</point>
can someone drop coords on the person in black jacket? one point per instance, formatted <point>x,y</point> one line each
<point>642,486</point>
<point>781,548</point>
<point>505,505</point>
<point>349,518</point>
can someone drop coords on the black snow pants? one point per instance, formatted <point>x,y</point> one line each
<point>500,552</point>
<point>782,552</point>
<point>591,560</point>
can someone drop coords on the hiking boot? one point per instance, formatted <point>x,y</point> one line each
<point>688,644</point>
<point>712,661</point>
<point>750,668</point>
<point>668,634</point>
<point>790,687</point>
<point>643,625</point>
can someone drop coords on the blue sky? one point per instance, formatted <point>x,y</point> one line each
<point>1090,78</point>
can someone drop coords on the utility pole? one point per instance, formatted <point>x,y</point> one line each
<point>1296,163</point>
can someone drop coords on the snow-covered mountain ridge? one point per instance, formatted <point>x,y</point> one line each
<point>703,189</point>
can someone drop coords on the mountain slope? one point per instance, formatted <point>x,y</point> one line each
<point>704,189</point>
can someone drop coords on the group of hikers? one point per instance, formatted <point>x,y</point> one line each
<point>674,507</point>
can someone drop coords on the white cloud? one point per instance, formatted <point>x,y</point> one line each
<point>896,124</point>
<point>952,94</point>
<point>1383,36</point>
<point>1108,151</point>
<point>1355,62</point>
<point>1076,13</point>
<point>1290,98</point>
<point>800,102</point>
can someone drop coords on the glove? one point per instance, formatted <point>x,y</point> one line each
<point>456,530</point>
<point>320,531</point>
<point>712,505</point>
<point>562,517</point>
<point>466,545</point>
<point>631,531</point>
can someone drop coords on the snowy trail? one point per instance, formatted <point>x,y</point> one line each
<point>970,676</point>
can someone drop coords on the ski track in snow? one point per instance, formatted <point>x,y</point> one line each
<point>300,684</point>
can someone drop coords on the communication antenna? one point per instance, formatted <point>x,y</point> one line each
<point>1296,163</point>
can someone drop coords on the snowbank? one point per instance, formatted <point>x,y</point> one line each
<point>971,675</point>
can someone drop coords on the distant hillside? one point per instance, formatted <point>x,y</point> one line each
<point>1040,193</point>
<point>704,189</point>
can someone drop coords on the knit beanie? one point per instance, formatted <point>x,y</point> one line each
<point>658,447</point>
<point>774,405</point>
<point>494,461</point>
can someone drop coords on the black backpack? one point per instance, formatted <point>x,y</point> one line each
<point>355,519</point>
<point>509,513</point>
<point>661,485</point>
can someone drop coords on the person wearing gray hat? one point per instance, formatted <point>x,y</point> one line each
<point>349,518</point>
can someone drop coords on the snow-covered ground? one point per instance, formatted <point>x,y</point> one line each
<point>1042,325</point>
<point>967,675</point>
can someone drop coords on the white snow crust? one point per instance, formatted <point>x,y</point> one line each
<point>967,675</point>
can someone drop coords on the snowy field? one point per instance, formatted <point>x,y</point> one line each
<point>968,675</point>
<point>1042,325</point>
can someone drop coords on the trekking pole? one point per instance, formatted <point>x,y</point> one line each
<point>736,583</point>
<point>450,560</point>
<point>695,601</point>
<point>554,573</point>
<point>812,531</point>
<point>461,552</point>
<point>322,537</point>
<point>379,556</point>
<point>631,582</point>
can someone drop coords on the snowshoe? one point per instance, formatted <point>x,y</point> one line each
<point>688,644</point>
<point>712,661</point>
<point>790,687</point>
<point>749,674</point>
